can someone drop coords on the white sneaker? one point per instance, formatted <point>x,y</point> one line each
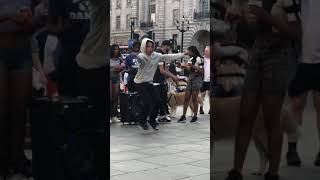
<point>159,118</point>
<point>115,120</point>
<point>167,117</point>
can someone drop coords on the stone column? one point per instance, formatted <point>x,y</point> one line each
<point>146,13</point>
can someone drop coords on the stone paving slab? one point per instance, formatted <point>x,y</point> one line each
<point>308,147</point>
<point>177,151</point>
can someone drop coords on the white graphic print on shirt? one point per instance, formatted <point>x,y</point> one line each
<point>82,12</point>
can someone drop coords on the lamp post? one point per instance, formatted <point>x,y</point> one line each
<point>182,26</point>
<point>132,27</point>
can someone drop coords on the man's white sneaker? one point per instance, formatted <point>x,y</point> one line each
<point>115,120</point>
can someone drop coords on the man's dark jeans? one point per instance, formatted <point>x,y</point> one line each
<point>160,101</point>
<point>93,84</point>
<point>147,96</point>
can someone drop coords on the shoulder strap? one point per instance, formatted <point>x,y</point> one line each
<point>268,4</point>
<point>297,8</point>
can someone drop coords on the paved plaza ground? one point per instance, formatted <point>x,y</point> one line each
<point>176,151</point>
<point>308,148</point>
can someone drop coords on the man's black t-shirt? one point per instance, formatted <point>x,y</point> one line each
<point>158,77</point>
<point>76,19</point>
<point>76,24</point>
<point>41,38</point>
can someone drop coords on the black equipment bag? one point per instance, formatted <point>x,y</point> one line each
<point>130,107</point>
<point>64,146</point>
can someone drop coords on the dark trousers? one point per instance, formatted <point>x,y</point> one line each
<point>94,85</point>
<point>160,101</point>
<point>67,68</point>
<point>147,95</point>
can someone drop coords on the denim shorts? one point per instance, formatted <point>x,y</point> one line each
<point>194,83</point>
<point>219,91</point>
<point>271,68</point>
<point>18,59</point>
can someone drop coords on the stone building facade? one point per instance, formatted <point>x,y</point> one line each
<point>160,16</point>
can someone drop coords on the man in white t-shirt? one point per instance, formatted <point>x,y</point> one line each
<point>206,80</point>
<point>307,77</point>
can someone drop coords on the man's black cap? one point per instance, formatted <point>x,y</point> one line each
<point>136,43</point>
<point>166,43</point>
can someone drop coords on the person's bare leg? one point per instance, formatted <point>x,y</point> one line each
<point>202,98</point>
<point>209,101</point>
<point>249,107</point>
<point>296,109</point>
<point>111,101</point>
<point>3,121</point>
<point>114,101</point>
<point>316,100</point>
<point>20,88</point>
<point>186,102</point>
<point>195,102</point>
<point>297,105</point>
<point>116,92</point>
<point>272,106</point>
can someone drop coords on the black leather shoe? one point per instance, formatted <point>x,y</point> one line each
<point>293,159</point>
<point>194,119</point>
<point>201,110</point>
<point>268,176</point>
<point>144,126</point>
<point>182,119</point>
<point>234,175</point>
<point>154,125</point>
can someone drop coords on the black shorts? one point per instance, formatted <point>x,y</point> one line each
<point>18,59</point>
<point>307,78</point>
<point>205,86</point>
